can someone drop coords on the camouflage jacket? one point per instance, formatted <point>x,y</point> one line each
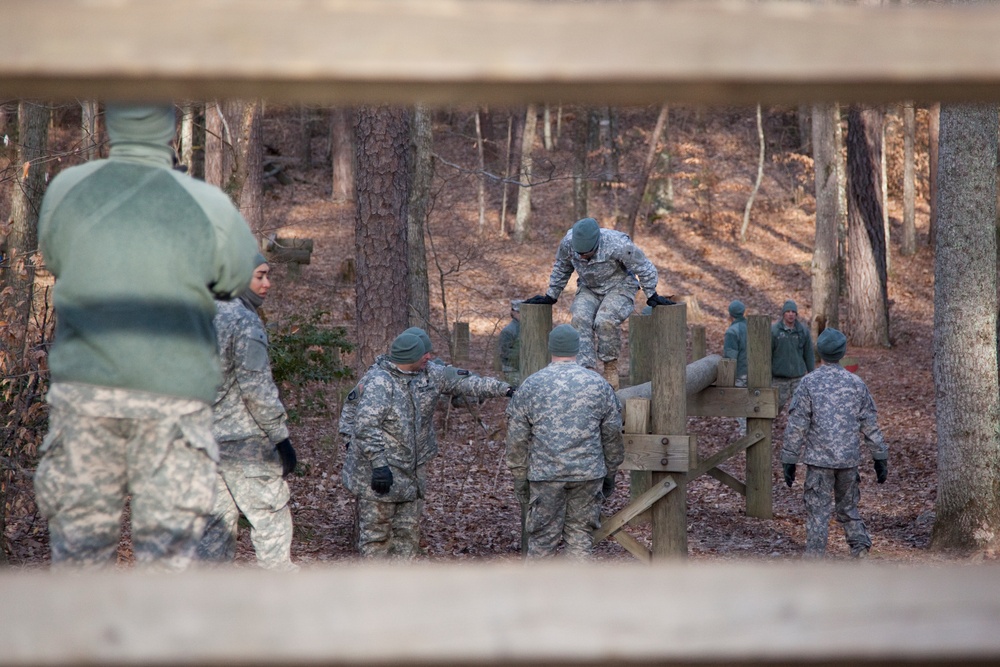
<point>510,347</point>
<point>246,404</point>
<point>830,412</point>
<point>564,423</point>
<point>618,262</point>
<point>435,380</point>
<point>735,345</point>
<point>384,432</point>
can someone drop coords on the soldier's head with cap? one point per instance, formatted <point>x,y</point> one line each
<point>564,342</point>
<point>831,345</point>
<point>515,308</point>
<point>736,309</point>
<point>407,352</point>
<point>789,313</point>
<point>586,237</point>
<point>424,338</point>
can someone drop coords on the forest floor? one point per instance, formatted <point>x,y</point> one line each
<point>470,510</point>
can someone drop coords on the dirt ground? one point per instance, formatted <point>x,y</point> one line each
<point>470,511</point>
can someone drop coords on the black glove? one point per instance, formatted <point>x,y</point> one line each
<point>541,299</point>
<point>381,480</point>
<point>522,490</point>
<point>288,458</point>
<point>510,392</point>
<point>657,300</point>
<point>608,486</point>
<point>881,470</point>
<point>789,470</point>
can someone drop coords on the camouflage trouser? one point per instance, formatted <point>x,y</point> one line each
<point>256,489</point>
<point>163,458</point>
<point>786,387</point>
<point>602,317</point>
<point>567,511</point>
<point>389,530</point>
<point>829,491</point>
<point>742,421</point>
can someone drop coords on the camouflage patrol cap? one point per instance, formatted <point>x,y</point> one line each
<point>564,341</point>
<point>586,235</point>
<point>424,338</point>
<point>831,345</point>
<point>790,306</point>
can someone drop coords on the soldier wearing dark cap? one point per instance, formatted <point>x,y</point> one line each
<point>735,341</point>
<point>791,352</point>
<point>564,445</point>
<point>380,467</point>
<point>831,410</point>
<point>509,344</point>
<point>610,268</point>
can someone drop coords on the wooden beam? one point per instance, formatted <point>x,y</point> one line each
<point>498,51</point>
<point>731,613</point>
<point>633,546</point>
<point>727,479</point>
<point>727,452</point>
<point>734,402</point>
<point>612,525</point>
<point>664,453</point>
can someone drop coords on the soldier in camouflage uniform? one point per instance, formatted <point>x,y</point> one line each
<point>610,269</point>
<point>830,411</point>
<point>564,446</point>
<point>791,352</point>
<point>250,427</point>
<point>433,380</point>
<point>138,251</point>
<point>734,346</point>
<point>510,346</point>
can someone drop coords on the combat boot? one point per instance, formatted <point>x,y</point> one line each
<point>611,373</point>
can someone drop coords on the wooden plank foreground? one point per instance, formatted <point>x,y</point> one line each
<point>452,614</point>
<point>498,51</point>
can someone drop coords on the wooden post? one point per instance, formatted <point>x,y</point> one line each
<point>637,421</point>
<point>536,323</point>
<point>759,485</point>
<point>697,342</point>
<point>462,340</point>
<point>640,371</point>
<point>669,416</point>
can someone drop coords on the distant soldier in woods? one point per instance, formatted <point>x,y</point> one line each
<point>734,347</point>
<point>610,269</point>
<point>390,500</point>
<point>791,352</point>
<point>830,409</point>
<point>250,426</point>
<point>564,446</point>
<point>510,346</point>
<point>138,251</point>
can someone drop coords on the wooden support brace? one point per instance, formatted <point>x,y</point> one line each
<point>720,456</point>
<point>633,546</point>
<point>666,453</point>
<point>635,508</point>
<point>726,373</point>
<point>727,479</point>
<point>759,403</point>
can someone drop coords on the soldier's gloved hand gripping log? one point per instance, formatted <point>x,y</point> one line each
<point>540,299</point>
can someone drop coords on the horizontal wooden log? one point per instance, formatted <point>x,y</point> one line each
<point>699,375</point>
<point>728,613</point>
<point>442,52</point>
<point>658,452</point>
<point>734,402</point>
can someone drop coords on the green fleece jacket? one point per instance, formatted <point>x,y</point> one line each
<point>138,251</point>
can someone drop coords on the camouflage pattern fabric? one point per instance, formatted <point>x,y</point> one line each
<point>564,424</point>
<point>510,352</point>
<point>735,345</point>
<point>606,287</point>
<point>829,410</point>
<point>566,511</point>
<point>250,482</point>
<point>833,491</point>
<point>106,443</point>
<point>247,405</point>
<point>600,318</point>
<point>388,530</point>
<point>786,387</point>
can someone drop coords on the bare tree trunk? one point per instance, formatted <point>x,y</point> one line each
<point>481,185</point>
<point>965,360</point>
<point>419,206</point>
<point>547,128</point>
<point>826,249</point>
<point>760,177</point>
<point>22,240</point>
<point>524,174</point>
<point>908,242</point>
<point>581,151</point>
<point>647,167</point>
<point>188,135</point>
<point>869,296</point>
<point>250,165</point>
<point>88,123</point>
<point>932,142</point>
<point>842,200</point>
<point>219,141</point>
<point>515,133</point>
<point>342,154</point>
<point>382,138</point>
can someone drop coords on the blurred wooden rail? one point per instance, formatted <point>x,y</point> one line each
<point>468,614</point>
<point>497,51</point>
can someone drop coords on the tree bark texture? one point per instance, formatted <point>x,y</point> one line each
<point>581,150</point>
<point>88,127</point>
<point>382,138</point>
<point>29,187</point>
<point>826,249</point>
<point>868,286</point>
<point>933,130</point>
<point>523,215</point>
<point>908,239</point>
<point>342,154</point>
<point>234,154</point>
<point>419,206</point>
<point>965,347</point>
<point>647,168</point>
